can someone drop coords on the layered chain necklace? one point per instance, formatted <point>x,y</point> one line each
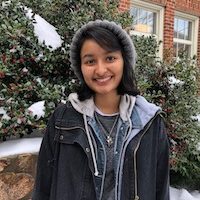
<point>108,134</point>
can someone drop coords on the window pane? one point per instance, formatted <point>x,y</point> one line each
<point>144,20</point>
<point>134,13</point>
<point>180,48</point>
<point>182,29</point>
<point>142,17</point>
<point>150,18</point>
<point>188,50</point>
<point>189,33</point>
<point>176,28</point>
<point>175,50</point>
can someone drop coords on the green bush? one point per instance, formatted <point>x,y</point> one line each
<point>174,87</point>
<point>19,50</point>
<point>31,72</point>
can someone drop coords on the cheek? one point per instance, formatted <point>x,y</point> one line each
<point>86,72</point>
<point>121,70</point>
<point>83,71</point>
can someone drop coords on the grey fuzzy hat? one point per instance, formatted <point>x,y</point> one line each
<point>124,38</point>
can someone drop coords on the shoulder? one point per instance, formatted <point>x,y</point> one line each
<point>144,112</point>
<point>66,112</point>
<point>146,106</point>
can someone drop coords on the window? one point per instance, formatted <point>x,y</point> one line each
<point>147,20</point>
<point>143,20</point>
<point>185,34</point>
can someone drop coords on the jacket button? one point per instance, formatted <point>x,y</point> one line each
<point>61,137</point>
<point>87,150</point>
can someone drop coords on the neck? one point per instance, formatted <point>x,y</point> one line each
<point>107,104</point>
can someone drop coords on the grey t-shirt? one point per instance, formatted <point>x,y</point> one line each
<point>109,183</point>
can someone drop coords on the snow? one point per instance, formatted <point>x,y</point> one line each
<point>32,145</point>
<point>44,31</point>
<point>173,81</point>
<point>198,117</point>
<point>37,109</point>
<point>183,194</point>
<point>198,146</point>
<point>4,114</point>
<point>19,146</point>
<point>5,3</point>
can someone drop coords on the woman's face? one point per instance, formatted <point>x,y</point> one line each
<point>102,70</point>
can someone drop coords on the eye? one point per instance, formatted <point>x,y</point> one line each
<point>90,62</point>
<point>110,58</point>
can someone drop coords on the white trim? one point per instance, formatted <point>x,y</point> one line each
<point>159,10</point>
<point>194,32</point>
<point>189,42</point>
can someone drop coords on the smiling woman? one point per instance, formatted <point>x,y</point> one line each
<point>107,142</point>
<point>102,70</point>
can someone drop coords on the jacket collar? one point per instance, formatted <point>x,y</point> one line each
<point>143,112</point>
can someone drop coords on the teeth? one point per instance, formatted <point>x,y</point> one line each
<point>101,80</point>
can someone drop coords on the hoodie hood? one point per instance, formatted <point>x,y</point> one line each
<point>87,107</point>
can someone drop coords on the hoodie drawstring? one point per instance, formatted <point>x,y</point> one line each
<point>96,172</point>
<point>135,167</point>
<point>136,197</point>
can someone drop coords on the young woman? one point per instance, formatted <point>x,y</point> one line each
<point>107,142</point>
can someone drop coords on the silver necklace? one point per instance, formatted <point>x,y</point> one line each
<point>109,138</point>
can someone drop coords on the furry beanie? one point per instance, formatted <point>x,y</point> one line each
<point>122,36</point>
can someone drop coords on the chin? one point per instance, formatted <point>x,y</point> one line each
<point>105,92</point>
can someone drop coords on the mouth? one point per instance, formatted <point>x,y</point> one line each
<point>103,80</point>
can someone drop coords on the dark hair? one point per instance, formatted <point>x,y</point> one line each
<point>108,41</point>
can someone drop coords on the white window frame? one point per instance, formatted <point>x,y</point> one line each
<point>159,10</point>
<point>194,32</point>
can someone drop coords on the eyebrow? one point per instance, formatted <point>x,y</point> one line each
<point>91,55</point>
<point>87,56</point>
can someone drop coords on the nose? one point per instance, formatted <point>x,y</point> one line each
<point>100,68</point>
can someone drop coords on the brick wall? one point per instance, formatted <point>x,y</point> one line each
<point>124,5</point>
<point>188,6</point>
<point>198,49</point>
<point>159,2</point>
<point>168,30</point>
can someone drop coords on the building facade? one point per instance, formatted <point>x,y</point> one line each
<point>174,22</point>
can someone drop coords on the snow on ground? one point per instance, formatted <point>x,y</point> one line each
<point>182,194</point>
<point>32,145</point>
<point>45,31</point>
<point>19,146</point>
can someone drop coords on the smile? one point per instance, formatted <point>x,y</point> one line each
<point>102,80</point>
